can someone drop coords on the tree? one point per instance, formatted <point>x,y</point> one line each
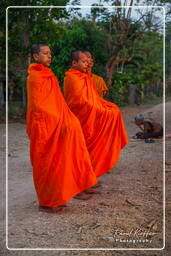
<point>26,26</point>
<point>125,28</point>
<point>79,35</point>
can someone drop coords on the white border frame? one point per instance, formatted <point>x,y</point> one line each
<point>164,190</point>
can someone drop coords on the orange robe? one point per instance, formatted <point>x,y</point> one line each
<point>61,163</point>
<point>100,84</point>
<point>101,120</point>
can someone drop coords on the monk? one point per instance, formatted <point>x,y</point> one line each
<point>98,80</point>
<point>61,163</point>
<point>101,121</point>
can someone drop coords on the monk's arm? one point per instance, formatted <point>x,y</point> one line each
<point>105,88</point>
<point>36,93</point>
<point>73,91</point>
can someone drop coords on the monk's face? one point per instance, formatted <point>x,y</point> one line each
<point>44,56</point>
<point>90,60</point>
<point>81,64</point>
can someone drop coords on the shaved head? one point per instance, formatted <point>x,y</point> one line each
<point>88,53</point>
<point>42,54</point>
<point>79,61</point>
<point>36,47</point>
<point>75,55</point>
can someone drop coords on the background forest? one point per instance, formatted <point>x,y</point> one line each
<point>126,43</point>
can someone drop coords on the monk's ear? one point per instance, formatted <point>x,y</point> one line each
<point>74,63</point>
<point>35,56</point>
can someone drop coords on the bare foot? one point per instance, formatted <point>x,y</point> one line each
<point>98,185</point>
<point>82,196</point>
<point>92,191</point>
<point>54,209</point>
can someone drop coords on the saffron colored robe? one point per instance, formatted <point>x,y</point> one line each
<point>101,121</point>
<point>61,163</point>
<point>100,84</point>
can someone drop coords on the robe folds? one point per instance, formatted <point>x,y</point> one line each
<point>61,163</point>
<point>100,84</point>
<point>101,121</point>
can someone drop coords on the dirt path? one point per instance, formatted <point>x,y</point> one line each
<point>131,200</point>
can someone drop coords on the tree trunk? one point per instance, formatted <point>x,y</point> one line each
<point>111,64</point>
<point>25,59</point>
<point>132,98</point>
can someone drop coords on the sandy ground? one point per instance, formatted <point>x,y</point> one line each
<point>131,199</point>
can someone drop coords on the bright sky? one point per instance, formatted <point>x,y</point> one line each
<point>89,2</point>
<point>158,13</point>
